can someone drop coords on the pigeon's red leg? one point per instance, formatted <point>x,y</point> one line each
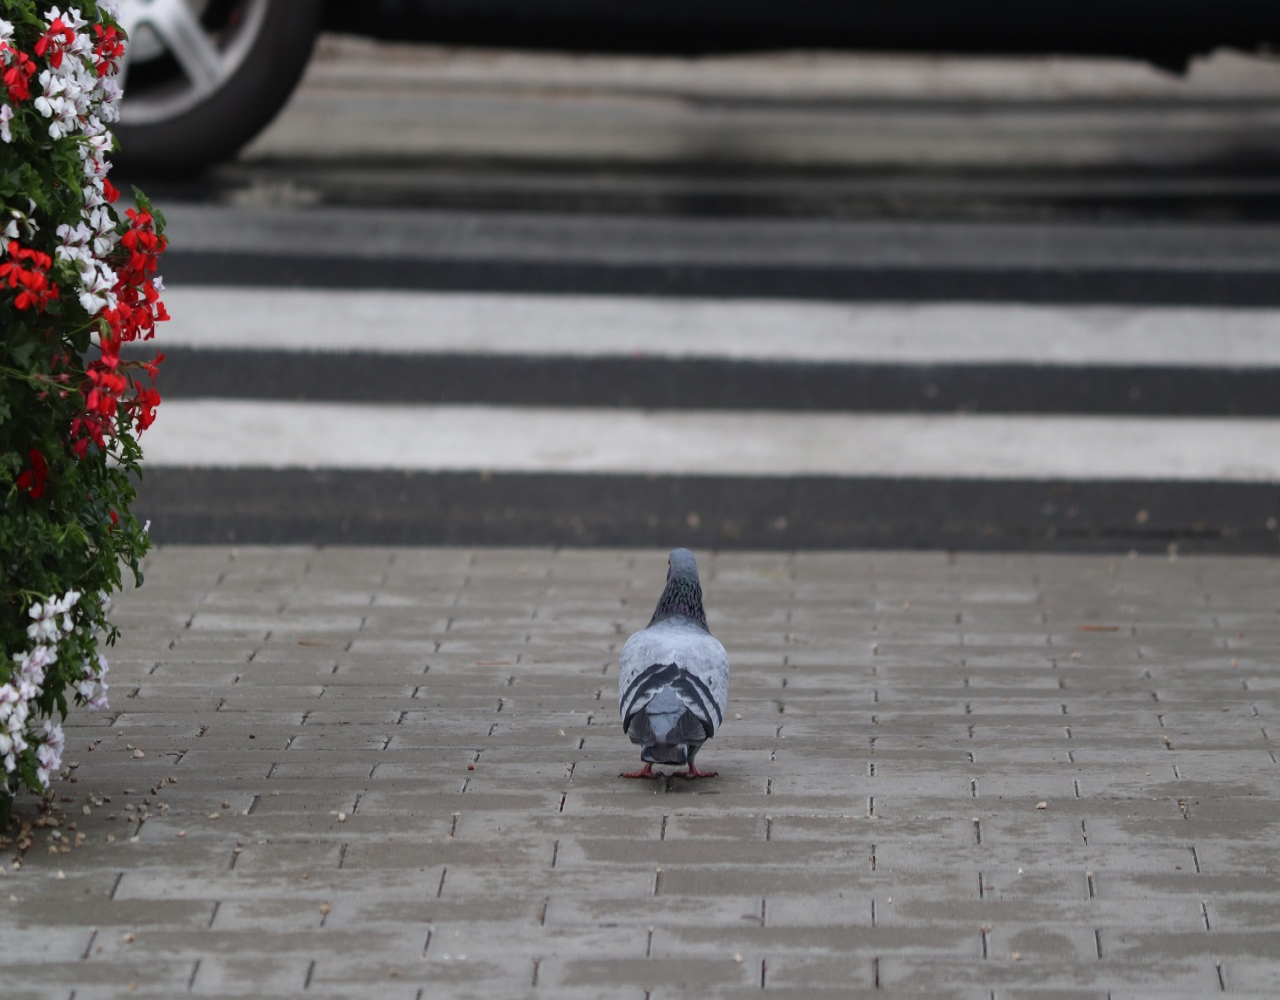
<point>645,772</point>
<point>693,772</point>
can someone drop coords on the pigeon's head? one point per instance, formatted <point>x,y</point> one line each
<point>683,593</point>
<point>682,565</point>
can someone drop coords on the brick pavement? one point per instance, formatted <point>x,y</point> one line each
<point>393,773</point>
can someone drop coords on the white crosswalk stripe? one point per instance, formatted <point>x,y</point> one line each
<point>401,322</point>
<point>276,435</point>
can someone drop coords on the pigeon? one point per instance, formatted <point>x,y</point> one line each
<point>673,677</point>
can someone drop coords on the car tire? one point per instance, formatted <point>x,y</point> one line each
<point>251,54</point>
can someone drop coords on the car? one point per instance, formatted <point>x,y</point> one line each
<point>203,77</point>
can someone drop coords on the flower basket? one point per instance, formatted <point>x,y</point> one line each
<point>77,284</point>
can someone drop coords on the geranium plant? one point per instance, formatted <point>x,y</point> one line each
<point>77,283</point>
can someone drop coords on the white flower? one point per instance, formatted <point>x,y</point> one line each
<point>8,701</point>
<point>19,224</point>
<point>109,88</point>
<point>28,690</point>
<point>74,242</point>
<point>44,627</point>
<point>71,18</point>
<point>97,282</point>
<point>31,670</point>
<point>64,603</point>
<point>6,115</point>
<point>52,736</point>
<point>43,630</point>
<point>69,93</point>
<point>54,86</point>
<point>16,726</point>
<point>92,686</point>
<point>50,758</point>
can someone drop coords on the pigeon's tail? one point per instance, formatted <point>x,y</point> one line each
<point>666,753</point>
<point>667,730</point>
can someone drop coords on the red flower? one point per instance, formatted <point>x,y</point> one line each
<point>36,289</point>
<point>17,78</point>
<point>114,400</point>
<point>34,478</point>
<point>58,37</point>
<point>108,50</point>
<point>143,407</point>
<point>138,305</point>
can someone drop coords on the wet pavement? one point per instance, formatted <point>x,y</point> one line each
<point>394,772</point>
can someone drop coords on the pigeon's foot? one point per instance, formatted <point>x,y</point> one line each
<point>645,772</point>
<point>693,772</point>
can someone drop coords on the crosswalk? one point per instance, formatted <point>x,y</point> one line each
<point>310,400</point>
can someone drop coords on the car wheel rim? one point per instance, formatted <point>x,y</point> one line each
<point>181,52</point>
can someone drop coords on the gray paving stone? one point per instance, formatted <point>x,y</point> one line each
<point>942,776</point>
<point>126,975</point>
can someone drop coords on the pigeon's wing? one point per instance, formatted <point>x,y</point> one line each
<point>642,657</point>
<point>707,665</point>
<point>689,660</point>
